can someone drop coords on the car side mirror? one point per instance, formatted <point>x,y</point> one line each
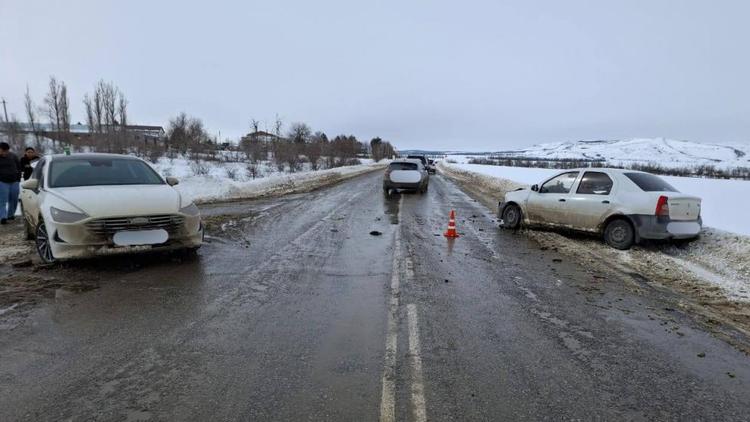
<point>535,188</point>
<point>171,180</point>
<point>32,184</point>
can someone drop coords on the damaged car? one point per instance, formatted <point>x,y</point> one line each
<point>84,205</point>
<point>623,206</point>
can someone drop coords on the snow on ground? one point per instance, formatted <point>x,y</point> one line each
<point>714,268</point>
<point>668,153</point>
<point>213,180</point>
<point>724,205</point>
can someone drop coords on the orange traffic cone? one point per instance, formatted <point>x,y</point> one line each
<point>451,232</point>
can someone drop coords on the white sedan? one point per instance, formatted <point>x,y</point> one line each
<point>624,206</point>
<point>84,205</point>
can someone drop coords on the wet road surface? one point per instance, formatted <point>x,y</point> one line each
<point>295,311</point>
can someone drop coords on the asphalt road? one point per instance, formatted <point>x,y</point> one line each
<point>295,311</point>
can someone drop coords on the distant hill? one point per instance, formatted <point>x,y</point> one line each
<point>667,153</point>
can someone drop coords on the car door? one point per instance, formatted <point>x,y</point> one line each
<point>591,202</point>
<point>548,204</point>
<point>30,197</point>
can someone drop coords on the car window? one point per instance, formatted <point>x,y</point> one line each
<point>403,166</point>
<point>101,171</point>
<point>559,184</point>
<point>595,183</point>
<point>650,183</point>
<point>37,172</point>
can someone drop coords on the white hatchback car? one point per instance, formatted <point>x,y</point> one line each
<point>624,206</point>
<point>84,205</point>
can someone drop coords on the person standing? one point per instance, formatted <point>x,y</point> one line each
<point>10,176</point>
<point>29,156</point>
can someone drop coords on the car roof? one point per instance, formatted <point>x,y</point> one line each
<point>601,169</point>
<point>407,160</point>
<point>89,155</point>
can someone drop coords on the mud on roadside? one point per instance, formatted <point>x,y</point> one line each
<point>684,269</point>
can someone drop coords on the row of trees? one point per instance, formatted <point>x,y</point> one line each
<point>709,171</point>
<point>302,145</point>
<point>106,110</point>
<point>106,113</point>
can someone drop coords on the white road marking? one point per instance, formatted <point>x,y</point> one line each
<point>417,385</point>
<point>402,266</point>
<point>388,396</point>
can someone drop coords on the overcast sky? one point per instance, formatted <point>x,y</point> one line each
<point>431,74</point>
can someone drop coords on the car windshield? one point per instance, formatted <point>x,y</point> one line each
<point>100,171</point>
<point>650,183</point>
<point>403,166</point>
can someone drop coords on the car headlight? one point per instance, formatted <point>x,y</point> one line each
<point>60,216</point>
<point>191,209</point>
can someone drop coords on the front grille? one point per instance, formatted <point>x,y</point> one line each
<point>108,226</point>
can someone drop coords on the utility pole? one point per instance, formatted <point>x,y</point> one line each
<point>5,110</point>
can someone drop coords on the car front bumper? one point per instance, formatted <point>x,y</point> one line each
<point>71,241</point>
<point>662,228</point>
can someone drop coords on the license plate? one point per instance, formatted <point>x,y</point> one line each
<point>140,237</point>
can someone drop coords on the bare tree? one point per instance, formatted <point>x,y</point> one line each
<point>31,117</point>
<point>64,112</point>
<point>255,124</point>
<point>186,134</point>
<point>52,100</point>
<point>299,133</point>
<point>90,113</point>
<point>12,129</point>
<point>278,125</point>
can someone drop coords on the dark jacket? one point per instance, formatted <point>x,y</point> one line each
<point>26,166</point>
<point>10,168</point>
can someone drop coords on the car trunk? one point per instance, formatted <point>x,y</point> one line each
<point>405,176</point>
<point>684,207</point>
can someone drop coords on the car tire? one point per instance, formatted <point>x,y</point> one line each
<point>619,234</point>
<point>43,245</point>
<point>512,217</point>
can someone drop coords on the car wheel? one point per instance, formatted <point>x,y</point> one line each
<point>43,245</point>
<point>512,217</point>
<point>619,234</point>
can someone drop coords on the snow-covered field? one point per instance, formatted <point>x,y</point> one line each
<point>668,153</point>
<point>725,202</point>
<point>214,180</point>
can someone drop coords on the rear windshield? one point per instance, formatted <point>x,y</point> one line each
<point>650,183</point>
<point>101,171</point>
<point>418,157</point>
<point>403,166</point>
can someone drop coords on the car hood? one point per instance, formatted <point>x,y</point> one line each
<point>114,201</point>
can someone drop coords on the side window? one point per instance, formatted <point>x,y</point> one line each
<point>38,171</point>
<point>559,184</point>
<point>595,183</point>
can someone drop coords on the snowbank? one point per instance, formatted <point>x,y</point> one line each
<point>724,206</point>
<point>214,181</point>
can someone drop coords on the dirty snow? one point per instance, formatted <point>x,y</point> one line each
<point>724,205</point>
<point>714,268</point>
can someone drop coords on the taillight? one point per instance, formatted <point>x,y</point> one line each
<point>662,206</point>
